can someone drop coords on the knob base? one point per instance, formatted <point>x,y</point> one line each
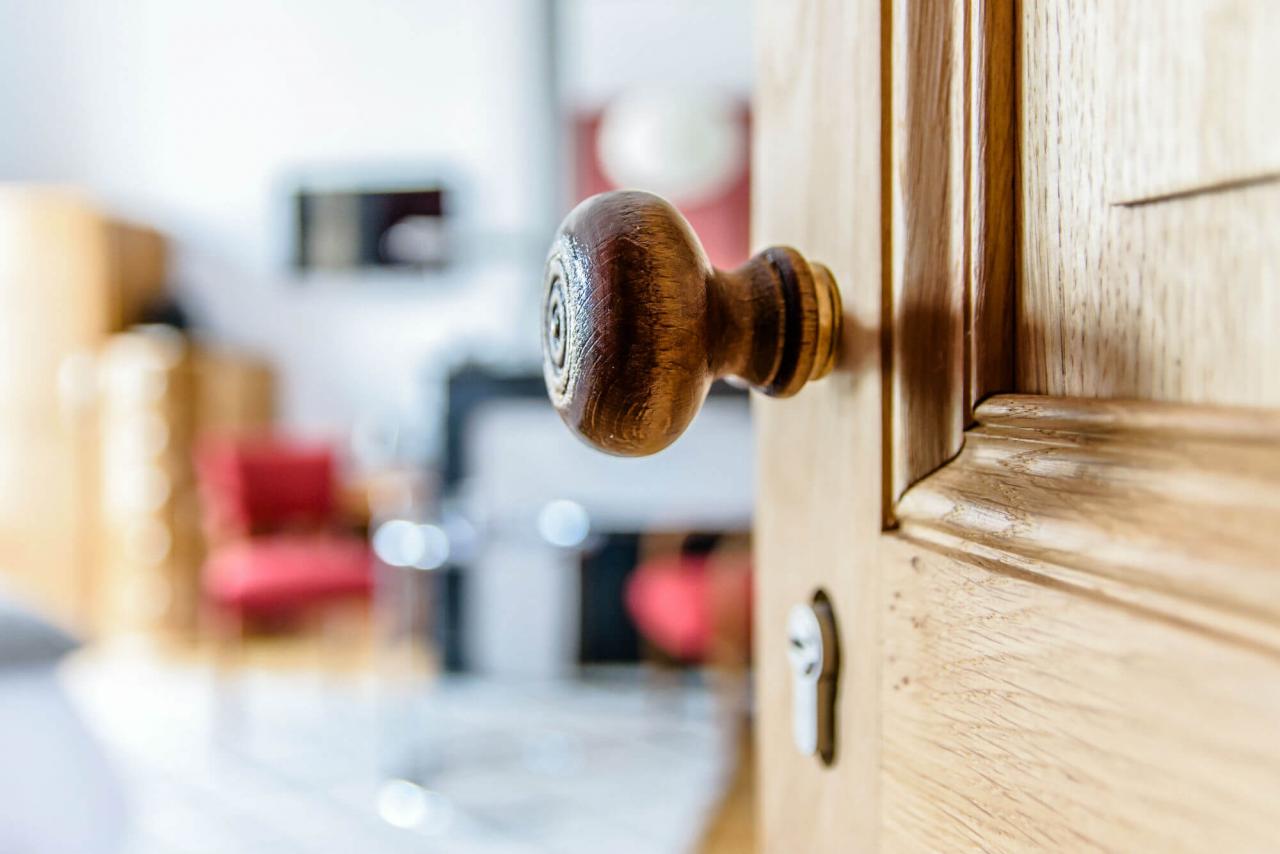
<point>778,321</point>
<point>830,321</point>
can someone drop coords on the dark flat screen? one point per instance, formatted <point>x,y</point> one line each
<point>354,229</point>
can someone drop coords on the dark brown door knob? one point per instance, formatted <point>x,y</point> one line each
<point>636,323</point>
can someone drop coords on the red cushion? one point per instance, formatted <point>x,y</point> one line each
<point>280,572</point>
<point>678,603</point>
<point>265,483</point>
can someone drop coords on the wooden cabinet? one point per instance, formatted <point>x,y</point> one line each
<point>1042,489</point>
<point>69,276</point>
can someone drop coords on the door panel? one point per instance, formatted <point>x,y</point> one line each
<point>1059,618</point>
<point>1150,202</point>
<point>1081,633</point>
<point>1022,714</point>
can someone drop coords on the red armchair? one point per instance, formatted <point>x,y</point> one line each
<point>274,548</point>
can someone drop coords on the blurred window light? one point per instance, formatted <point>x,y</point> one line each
<point>435,547</point>
<point>564,523</point>
<point>399,542</point>
<point>404,804</point>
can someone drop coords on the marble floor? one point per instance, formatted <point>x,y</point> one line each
<point>271,761</point>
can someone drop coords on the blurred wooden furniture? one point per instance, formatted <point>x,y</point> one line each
<point>234,392</point>
<point>1044,509</point>
<point>159,395</point>
<point>149,549</point>
<point>69,277</point>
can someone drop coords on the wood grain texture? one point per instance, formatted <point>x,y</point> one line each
<point>1149,204</point>
<point>636,323</point>
<point>990,199</point>
<point>949,285</point>
<point>925,287</point>
<point>1167,509</point>
<point>816,184</point>
<point>1082,633</point>
<point>1019,715</point>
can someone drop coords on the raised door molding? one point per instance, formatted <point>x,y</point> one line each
<point>1082,613</point>
<point>1165,508</point>
<point>950,226</point>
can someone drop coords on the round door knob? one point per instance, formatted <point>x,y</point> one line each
<point>636,323</point>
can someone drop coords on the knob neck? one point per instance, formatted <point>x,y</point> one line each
<point>774,322</point>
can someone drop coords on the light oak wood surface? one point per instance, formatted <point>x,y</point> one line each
<point>951,158</point>
<point>925,241</point>
<point>1065,635</point>
<point>816,186</point>
<point>1022,715</point>
<point>1150,205</point>
<point>990,45</point>
<point>1082,633</point>
<point>1166,509</point>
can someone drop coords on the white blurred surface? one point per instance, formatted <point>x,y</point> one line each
<point>193,117</point>
<point>328,764</point>
<point>58,792</point>
<point>521,456</point>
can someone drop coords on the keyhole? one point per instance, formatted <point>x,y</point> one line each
<point>805,654</point>
<point>805,649</point>
<point>813,652</point>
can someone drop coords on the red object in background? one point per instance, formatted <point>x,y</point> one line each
<point>722,224</point>
<point>269,507</point>
<point>683,604</point>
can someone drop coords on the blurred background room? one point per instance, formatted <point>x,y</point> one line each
<point>295,554</point>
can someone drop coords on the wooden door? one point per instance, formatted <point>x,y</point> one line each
<point>1042,493</point>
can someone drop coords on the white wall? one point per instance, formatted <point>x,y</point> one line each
<point>192,115</point>
<point>613,44</point>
